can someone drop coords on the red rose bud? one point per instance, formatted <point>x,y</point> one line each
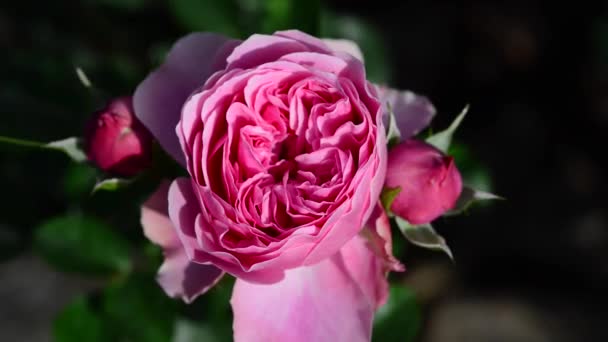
<point>429,180</point>
<point>116,142</point>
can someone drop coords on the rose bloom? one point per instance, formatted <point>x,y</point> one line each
<point>284,142</point>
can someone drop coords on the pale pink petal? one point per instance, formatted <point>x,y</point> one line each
<point>154,219</point>
<point>344,45</point>
<point>378,234</point>
<point>259,49</point>
<point>178,276</point>
<point>413,112</point>
<point>332,301</point>
<point>313,43</point>
<point>158,100</point>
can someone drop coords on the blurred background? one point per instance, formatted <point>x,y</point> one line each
<point>75,267</point>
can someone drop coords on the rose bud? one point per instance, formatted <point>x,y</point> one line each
<point>116,142</point>
<point>429,180</point>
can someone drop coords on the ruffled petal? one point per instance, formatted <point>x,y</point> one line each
<point>178,276</point>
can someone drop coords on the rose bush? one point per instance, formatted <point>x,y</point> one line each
<point>284,142</point>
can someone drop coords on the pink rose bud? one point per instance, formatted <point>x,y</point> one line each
<point>116,142</point>
<point>429,180</point>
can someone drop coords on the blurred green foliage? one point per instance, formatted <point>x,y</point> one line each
<point>82,244</point>
<point>139,310</point>
<point>79,322</point>
<point>400,319</point>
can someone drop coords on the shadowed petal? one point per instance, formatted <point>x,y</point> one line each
<point>159,98</point>
<point>178,276</point>
<point>413,112</point>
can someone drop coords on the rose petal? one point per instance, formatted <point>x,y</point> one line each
<point>344,45</point>
<point>159,98</point>
<point>378,234</point>
<point>177,275</point>
<point>184,212</point>
<point>332,301</point>
<point>259,49</point>
<point>181,278</point>
<point>313,43</point>
<point>412,112</point>
<point>347,223</point>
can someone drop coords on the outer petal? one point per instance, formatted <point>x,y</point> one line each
<point>184,212</point>
<point>159,98</point>
<point>412,112</point>
<point>177,276</point>
<point>378,234</point>
<point>332,301</point>
<point>344,45</point>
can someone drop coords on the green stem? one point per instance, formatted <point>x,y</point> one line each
<point>21,142</point>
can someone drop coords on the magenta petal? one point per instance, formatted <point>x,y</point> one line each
<point>178,276</point>
<point>413,112</point>
<point>158,100</point>
<point>332,301</point>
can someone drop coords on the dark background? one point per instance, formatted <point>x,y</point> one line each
<point>532,268</point>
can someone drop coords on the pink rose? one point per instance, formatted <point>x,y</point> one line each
<point>116,142</point>
<point>429,180</point>
<point>284,141</point>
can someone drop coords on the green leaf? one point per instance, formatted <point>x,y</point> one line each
<point>387,197</point>
<point>111,184</point>
<point>291,14</point>
<point>219,16</point>
<point>400,319</point>
<point>423,236</point>
<point>71,147</point>
<point>139,310</point>
<point>393,135</point>
<point>443,139</point>
<point>77,322</point>
<point>468,197</point>
<point>78,180</point>
<point>83,245</point>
